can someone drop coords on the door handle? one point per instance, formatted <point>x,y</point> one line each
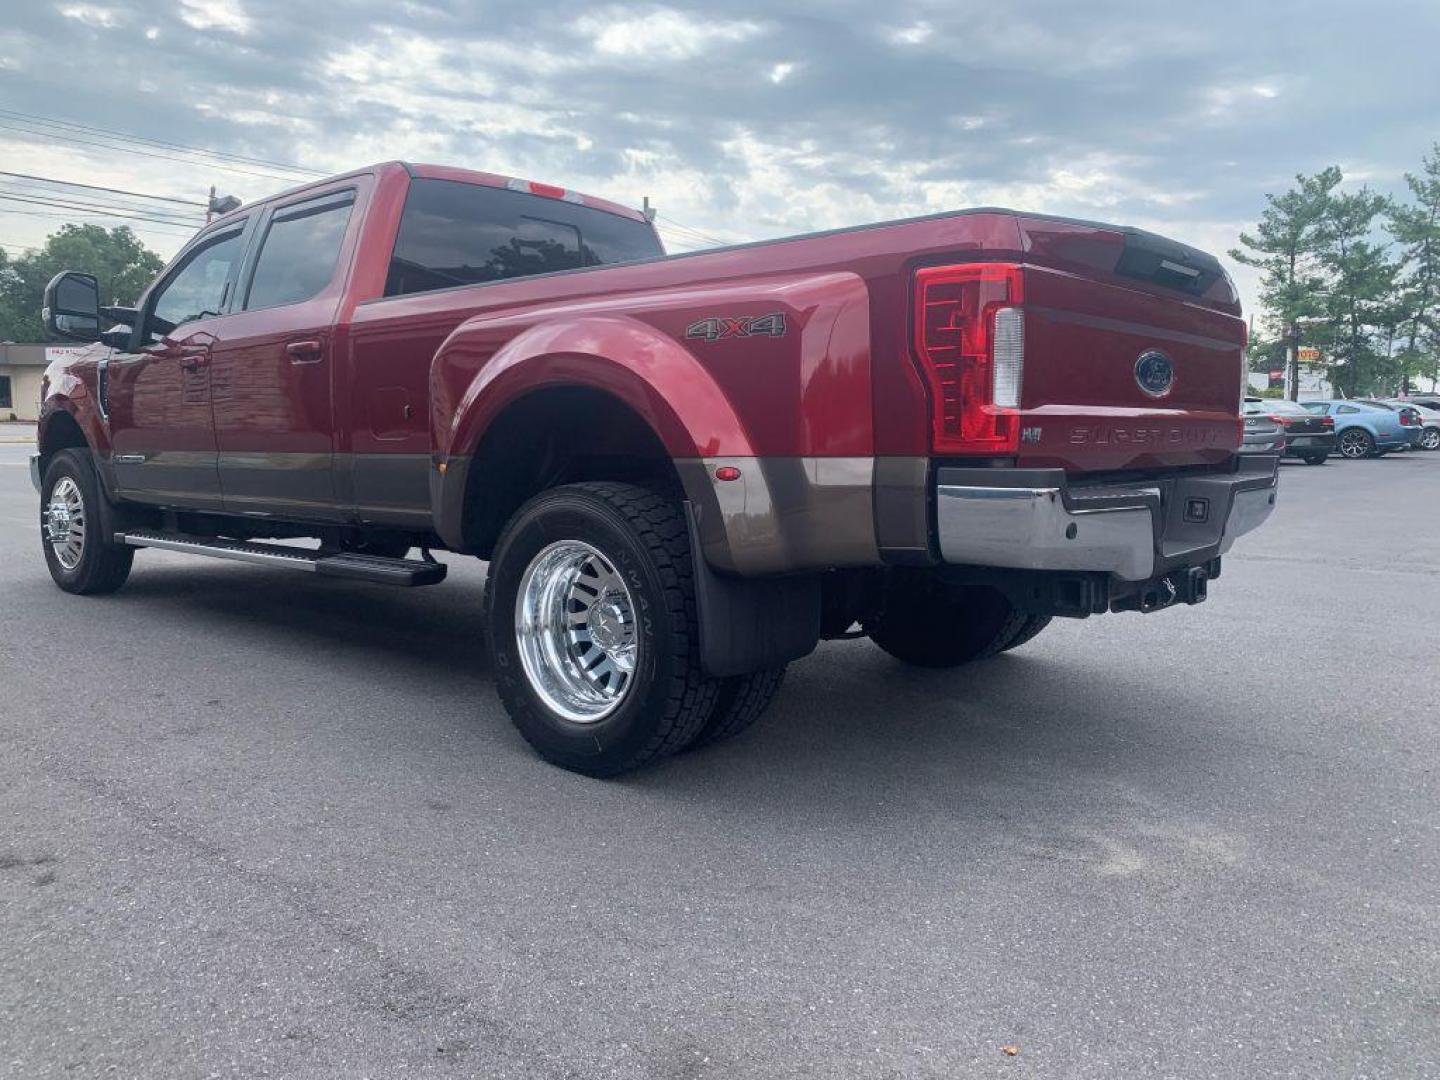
<point>194,357</point>
<point>305,352</point>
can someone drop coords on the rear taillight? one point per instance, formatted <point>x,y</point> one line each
<point>970,340</point>
<point>1278,419</point>
<point>1327,421</point>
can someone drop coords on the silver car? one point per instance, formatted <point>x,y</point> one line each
<point>1429,417</point>
<point>1263,434</point>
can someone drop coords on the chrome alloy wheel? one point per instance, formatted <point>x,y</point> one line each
<point>1354,443</point>
<point>64,523</point>
<point>575,628</point>
<point>1430,439</point>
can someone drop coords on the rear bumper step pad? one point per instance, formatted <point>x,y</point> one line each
<point>405,572</point>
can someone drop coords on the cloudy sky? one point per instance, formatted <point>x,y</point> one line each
<point>741,120</point>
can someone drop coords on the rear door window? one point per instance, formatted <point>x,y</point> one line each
<point>298,255</point>
<point>454,233</point>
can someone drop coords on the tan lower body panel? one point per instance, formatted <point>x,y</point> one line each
<point>784,513</point>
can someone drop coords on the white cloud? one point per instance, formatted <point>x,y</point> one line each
<point>915,34</point>
<point>92,15</point>
<point>780,72</point>
<point>226,15</point>
<point>661,34</point>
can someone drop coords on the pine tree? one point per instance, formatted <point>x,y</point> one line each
<point>1285,246</point>
<point>1416,229</point>
<point>1359,298</point>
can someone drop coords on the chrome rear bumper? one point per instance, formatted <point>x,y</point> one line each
<point>1034,519</point>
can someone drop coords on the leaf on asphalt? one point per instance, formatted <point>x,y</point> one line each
<point>1010,1050</point>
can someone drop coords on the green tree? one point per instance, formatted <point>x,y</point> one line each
<point>1359,301</point>
<point>1285,247</point>
<point>123,265</point>
<point>1416,229</point>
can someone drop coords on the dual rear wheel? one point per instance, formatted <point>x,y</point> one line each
<point>594,633</point>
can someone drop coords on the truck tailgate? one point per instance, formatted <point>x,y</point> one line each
<point>1122,377</point>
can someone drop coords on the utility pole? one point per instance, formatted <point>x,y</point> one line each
<point>210,205</point>
<point>1292,362</point>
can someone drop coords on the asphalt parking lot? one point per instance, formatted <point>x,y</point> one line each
<point>254,824</point>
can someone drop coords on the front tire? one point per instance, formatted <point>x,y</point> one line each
<point>929,623</point>
<point>591,616</point>
<point>81,558</point>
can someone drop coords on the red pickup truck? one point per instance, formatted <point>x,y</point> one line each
<point>684,470</point>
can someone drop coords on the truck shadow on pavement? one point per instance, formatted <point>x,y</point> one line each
<point>853,735</point>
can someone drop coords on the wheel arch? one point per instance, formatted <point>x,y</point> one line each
<point>546,437</point>
<point>591,398</point>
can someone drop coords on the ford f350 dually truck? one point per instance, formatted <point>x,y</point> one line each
<point>684,471</point>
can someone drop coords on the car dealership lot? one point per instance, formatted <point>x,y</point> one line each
<point>285,829</point>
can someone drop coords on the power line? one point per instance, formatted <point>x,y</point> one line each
<point>113,211</point>
<point>90,216</point>
<point>83,201</point>
<point>243,158</point>
<point>692,231</point>
<point>143,153</point>
<point>95,187</point>
<point>90,219</point>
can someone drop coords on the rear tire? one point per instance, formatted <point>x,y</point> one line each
<point>743,699</point>
<point>1430,439</point>
<point>605,568</point>
<point>932,624</point>
<point>81,558</point>
<point>1315,459</point>
<point>1355,443</point>
<point>1032,626</point>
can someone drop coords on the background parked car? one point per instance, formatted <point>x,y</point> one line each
<point>1363,430</point>
<point>1309,437</point>
<point>1409,418</point>
<point>1264,434</point>
<point>1426,401</point>
<point>1429,421</point>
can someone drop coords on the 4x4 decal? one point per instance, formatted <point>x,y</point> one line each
<point>719,327</point>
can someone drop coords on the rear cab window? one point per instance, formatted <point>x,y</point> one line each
<point>455,233</point>
<point>299,251</point>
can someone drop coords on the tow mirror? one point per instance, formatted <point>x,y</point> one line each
<point>72,307</point>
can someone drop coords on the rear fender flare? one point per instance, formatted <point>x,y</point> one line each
<point>647,370</point>
<point>652,374</point>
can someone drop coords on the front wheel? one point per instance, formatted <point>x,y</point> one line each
<point>80,557</point>
<point>590,611</point>
<point>1355,443</point>
<point>930,623</point>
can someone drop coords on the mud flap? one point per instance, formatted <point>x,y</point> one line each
<point>749,624</point>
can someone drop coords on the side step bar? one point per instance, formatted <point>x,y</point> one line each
<point>407,572</point>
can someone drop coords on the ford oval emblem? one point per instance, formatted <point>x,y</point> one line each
<point>1154,373</point>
